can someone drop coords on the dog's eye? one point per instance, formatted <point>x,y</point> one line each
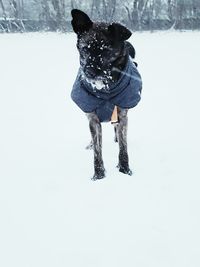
<point>106,49</point>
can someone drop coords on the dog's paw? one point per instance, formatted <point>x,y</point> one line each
<point>125,170</point>
<point>98,176</point>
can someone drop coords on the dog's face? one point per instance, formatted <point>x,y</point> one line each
<point>101,48</point>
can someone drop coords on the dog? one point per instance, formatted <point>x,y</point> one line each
<point>107,80</point>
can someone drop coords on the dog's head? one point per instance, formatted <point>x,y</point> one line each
<point>101,47</point>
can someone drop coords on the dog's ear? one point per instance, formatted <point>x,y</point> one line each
<point>80,22</point>
<point>119,32</point>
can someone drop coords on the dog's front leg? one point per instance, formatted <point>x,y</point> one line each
<point>122,140</point>
<point>96,133</point>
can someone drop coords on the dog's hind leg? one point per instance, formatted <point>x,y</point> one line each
<point>122,140</point>
<point>96,133</point>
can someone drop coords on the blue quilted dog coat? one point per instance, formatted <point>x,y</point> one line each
<point>125,93</point>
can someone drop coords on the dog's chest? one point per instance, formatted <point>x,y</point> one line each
<point>124,94</point>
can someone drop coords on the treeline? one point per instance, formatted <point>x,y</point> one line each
<point>54,15</point>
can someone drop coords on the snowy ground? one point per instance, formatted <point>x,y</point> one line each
<point>51,213</point>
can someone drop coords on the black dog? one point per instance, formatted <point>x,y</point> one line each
<point>107,79</point>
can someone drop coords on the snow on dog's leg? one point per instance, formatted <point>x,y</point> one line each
<point>96,133</point>
<point>122,139</point>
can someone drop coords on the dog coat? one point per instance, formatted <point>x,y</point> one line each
<point>125,93</point>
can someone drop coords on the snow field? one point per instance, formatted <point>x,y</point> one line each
<point>51,213</point>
